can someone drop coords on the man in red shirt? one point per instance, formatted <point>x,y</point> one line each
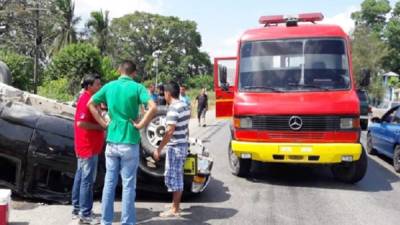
<point>89,142</point>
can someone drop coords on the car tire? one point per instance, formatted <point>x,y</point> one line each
<point>5,75</point>
<point>239,167</point>
<point>153,133</point>
<point>370,147</point>
<point>351,172</point>
<point>396,159</point>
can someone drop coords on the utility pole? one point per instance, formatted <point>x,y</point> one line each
<point>36,49</point>
<point>156,54</point>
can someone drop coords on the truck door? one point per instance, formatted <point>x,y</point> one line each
<point>224,81</point>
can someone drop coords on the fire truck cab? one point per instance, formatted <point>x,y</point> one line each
<point>291,96</point>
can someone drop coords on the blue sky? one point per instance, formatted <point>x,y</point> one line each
<point>221,22</point>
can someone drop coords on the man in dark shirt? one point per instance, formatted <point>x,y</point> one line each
<point>202,106</point>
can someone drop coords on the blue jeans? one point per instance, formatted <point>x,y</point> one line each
<point>120,159</point>
<point>82,190</point>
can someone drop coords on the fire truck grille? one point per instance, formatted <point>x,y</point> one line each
<point>307,123</point>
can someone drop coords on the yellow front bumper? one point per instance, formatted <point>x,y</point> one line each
<point>297,152</point>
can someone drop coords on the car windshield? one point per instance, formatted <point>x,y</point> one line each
<point>294,65</point>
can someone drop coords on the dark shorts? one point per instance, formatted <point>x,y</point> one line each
<point>201,112</point>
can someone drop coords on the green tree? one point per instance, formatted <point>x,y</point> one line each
<point>98,26</point>
<point>73,62</point>
<point>368,51</point>
<point>108,70</point>
<point>64,28</point>
<point>56,89</point>
<point>137,36</point>
<point>19,18</point>
<point>21,68</point>
<point>392,37</point>
<point>372,14</point>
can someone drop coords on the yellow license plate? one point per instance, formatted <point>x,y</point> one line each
<point>190,166</point>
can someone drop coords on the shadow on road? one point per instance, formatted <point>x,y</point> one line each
<point>193,215</point>
<point>215,192</point>
<point>377,178</point>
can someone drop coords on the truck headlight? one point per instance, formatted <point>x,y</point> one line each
<point>243,122</point>
<point>349,123</point>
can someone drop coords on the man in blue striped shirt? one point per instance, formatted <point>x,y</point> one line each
<point>176,140</point>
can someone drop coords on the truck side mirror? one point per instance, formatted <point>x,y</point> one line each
<point>223,78</point>
<point>365,77</point>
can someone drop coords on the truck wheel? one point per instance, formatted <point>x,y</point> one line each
<point>396,159</point>
<point>370,147</point>
<point>351,172</point>
<point>239,167</point>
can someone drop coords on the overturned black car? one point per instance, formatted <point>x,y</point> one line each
<point>37,158</point>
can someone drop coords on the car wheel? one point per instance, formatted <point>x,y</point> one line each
<point>152,134</point>
<point>151,137</point>
<point>351,172</point>
<point>396,159</point>
<point>370,147</point>
<point>5,75</point>
<point>239,167</point>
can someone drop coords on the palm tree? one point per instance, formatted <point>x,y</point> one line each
<point>64,28</point>
<point>98,26</point>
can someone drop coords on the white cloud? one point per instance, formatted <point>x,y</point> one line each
<point>224,47</point>
<point>117,8</point>
<point>343,19</point>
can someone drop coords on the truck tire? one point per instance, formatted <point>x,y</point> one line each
<point>152,134</point>
<point>351,172</point>
<point>239,167</point>
<point>396,159</point>
<point>370,147</point>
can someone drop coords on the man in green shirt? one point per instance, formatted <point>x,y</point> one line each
<point>123,98</point>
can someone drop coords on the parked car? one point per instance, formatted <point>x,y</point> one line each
<point>383,136</point>
<point>37,158</point>
<point>382,108</point>
<point>364,109</point>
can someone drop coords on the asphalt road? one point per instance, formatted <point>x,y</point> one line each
<point>273,194</point>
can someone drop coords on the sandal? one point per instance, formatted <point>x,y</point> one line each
<point>169,206</point>
<point>169,213</point>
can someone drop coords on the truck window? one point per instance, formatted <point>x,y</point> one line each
<point>230,66</point>
<point>294,65</point>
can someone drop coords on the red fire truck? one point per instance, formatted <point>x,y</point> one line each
<point>291,96</point>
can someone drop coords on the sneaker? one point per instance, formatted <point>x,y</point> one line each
<point>91,220</point>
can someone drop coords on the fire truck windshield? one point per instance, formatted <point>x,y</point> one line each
<point>294,65</point>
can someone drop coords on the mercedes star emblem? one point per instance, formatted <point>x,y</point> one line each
<point>295,123</point>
